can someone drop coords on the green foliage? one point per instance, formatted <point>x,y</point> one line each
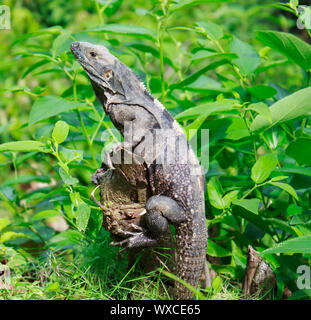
<point>231,73</point>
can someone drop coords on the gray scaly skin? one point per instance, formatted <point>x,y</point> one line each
<point>176,187</point>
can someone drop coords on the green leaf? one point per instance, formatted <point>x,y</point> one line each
<point>205,83</point>
<point>295,170</point>
<point>294,106</point>
<point>49,106</point>
<point>42,32</point>
<point>262,109</point>
<point>288,45</point>
<point>215,193</point>
<point>251,205</point>
<point>129,30</point>
<point>206,109</point>
<point>66,238</point>
<point>45,214</point>
<point>82,216</point>
<point>153,51</point>
<point>67,178</point>
<point>204,54</point>
<point>237,129</point>
<point>24,146</point>
<point>213,30</point>
<point>215,250</point>
<point>61,43</point>
<point>229,197</point>
<point>10,235</point>
<point>196,75</point>
<point>262,92</point>
<point>53,287</point>
<point>300,150</point>
<point>278,178</point>
<point>60,131</point>
<point>4,222</point>
<point>248,59</point>
<point>297,245</point>
<point>180,4</point>
<point>293,210</point>
<point>263,167</point>
<point>288,188</point>
<point>246,210</point>
<point>34,67</point>
<point>282,225</point>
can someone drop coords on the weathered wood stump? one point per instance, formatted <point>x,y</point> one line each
<point>123,195</point>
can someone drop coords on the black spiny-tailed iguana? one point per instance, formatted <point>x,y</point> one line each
<point>174,176</point>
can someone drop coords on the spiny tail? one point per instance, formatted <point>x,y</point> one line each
<point>191,256</point>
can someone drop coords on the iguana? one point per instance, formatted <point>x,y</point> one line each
<point>174,176</point>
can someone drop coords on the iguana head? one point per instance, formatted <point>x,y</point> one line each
<point>111,79</point>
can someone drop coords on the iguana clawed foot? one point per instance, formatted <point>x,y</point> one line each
<point>161,211</point>
<point>135,240</point>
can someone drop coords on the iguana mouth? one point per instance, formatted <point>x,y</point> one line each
<point>89,69</point>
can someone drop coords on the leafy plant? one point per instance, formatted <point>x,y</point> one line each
<point>251,91</point>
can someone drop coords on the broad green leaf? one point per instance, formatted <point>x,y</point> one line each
<point>41,32</point>
<point>180,4</point>
<point>34,67</point>
<point>207,109</point>
<point>251,205</point>
<point>45,214</point>
<point>26,179</point>
<point>4,222</point>
<point>145,48</point>
<point>229,197</point>
<point>24,146</point>
<point>49,106</point>
<point>246,210</point>
<point>205,83</point>
<point>10,235</point>
<point>278,178</point>
<point>204,54</point>
<point>237,129</point>
<point>60,131</point>
<point>66,238</point>
<point>82,216</point>
<point>262,92</point>
<point>295,170</point>
<point>62,43</point>
<point>288,188</point>
<point>294,106</point>
<point>297,245</point>
<point>288,45</point>
<point>129,30</point>
<point>300,150</point>
<point>213,30</point>
<point>248,59</point>
<point>67,178</point>
<point>293,210</point>
<point>262,109</point>
<point>215,193</point>
<point>263,167</point>
<point>197,74</point>
<point>284,225</point>
<point>270,65</point>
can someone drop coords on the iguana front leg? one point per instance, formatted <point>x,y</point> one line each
<point>160,211</point>
<point>136,126</point>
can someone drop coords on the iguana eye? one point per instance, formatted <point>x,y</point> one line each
<point>108,74</point>
<point>93,54</point>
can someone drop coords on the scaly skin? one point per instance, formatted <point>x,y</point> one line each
<point>176,187</point>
